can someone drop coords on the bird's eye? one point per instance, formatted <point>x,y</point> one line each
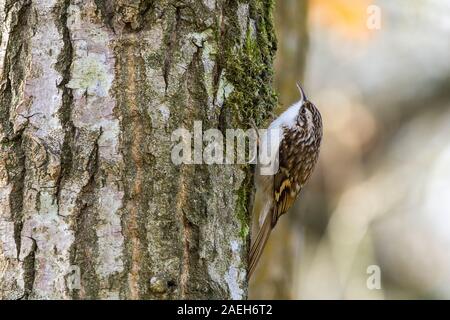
<point>303,110</point>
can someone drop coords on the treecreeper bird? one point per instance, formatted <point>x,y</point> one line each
<point>293,154</point>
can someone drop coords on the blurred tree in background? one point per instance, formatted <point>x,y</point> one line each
<point>381,193</point>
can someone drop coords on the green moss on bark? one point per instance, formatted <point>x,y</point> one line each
<point>248,67</point>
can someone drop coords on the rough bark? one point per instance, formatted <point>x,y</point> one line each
<point>90,93</point>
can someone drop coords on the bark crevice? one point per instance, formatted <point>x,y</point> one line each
<point>135,128</point>
<point>84,249</point>
<point>29,267</point>
<point>64,65</point>
<point>171,43</point>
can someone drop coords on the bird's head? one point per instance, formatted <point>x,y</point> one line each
<point>308,116</point>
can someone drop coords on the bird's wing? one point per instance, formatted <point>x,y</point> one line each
<point>284,194</point>
<point>284,184</point>
<point>283,200</point>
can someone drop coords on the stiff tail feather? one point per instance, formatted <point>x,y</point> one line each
<point>259,244</point>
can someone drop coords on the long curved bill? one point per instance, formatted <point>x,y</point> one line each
<point>303,97</point>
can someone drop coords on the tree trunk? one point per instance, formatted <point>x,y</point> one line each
<point>91,205</point>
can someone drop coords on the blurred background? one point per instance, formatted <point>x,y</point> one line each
<point>381,193</point>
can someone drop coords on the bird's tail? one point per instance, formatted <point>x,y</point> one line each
<point>259,243</point>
